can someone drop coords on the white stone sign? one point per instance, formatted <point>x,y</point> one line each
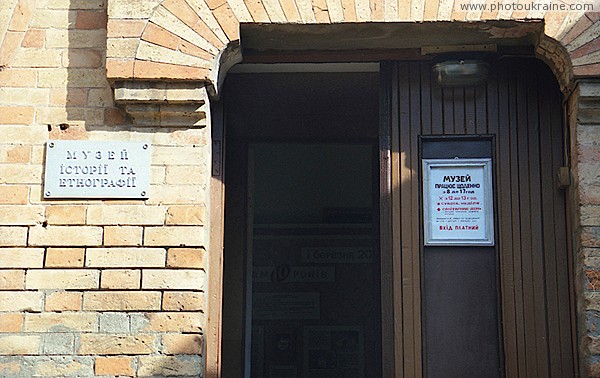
<point>94,169</point>
<point>458,202</point>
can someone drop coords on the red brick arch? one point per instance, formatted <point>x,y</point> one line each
<point>184,39</point>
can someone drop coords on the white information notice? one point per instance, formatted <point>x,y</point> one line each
<point>95,169</point>
<point>286,305</point>
<point>458,202</point>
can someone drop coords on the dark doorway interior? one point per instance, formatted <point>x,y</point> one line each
<point>302,266</point>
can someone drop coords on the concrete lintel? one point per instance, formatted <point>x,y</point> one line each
<point>159,91</point>
<point>163,103</point>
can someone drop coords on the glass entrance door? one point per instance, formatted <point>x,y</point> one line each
<point>301,265</point>
<point>313,285</point>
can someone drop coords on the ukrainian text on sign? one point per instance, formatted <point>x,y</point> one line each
<point>458,207</point>
<point>93,169</point>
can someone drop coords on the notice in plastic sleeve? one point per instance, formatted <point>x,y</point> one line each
<point>458,202</point>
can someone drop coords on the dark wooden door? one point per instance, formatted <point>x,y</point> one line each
<point>519,113</point>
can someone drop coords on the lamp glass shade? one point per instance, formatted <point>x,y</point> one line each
<point>461,73</point>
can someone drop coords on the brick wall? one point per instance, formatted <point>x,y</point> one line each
<point>585,140</point>
<point>118,287</point>
<point>92,287</point>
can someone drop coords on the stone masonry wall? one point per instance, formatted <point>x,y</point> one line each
<point>585,144</point>
<point>92,287</point>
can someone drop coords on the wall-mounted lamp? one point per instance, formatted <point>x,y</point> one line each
<point>461,73</point>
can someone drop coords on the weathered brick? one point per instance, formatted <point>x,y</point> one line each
<point>125,257</point>
<point>64,257</point>
<point>58,115</point>
<point>65,215</point>
<point>16,195</point>
<point>186,258</point>
<point>174,236</point>
<point>169,366</point>
<point>11,323</point>
<point>61,322</point>
<point>126,215</point>
<point>21,257</point>
<point>114,366</point>
<point>125,28</point>
<point>20,173</point>
<point>177,155</point>
<point>121,300</point>
<point>12,279</point>
<point>65,236</point>
<point>19,344</point>
<point>183,343</point>
<point>34,38</point>
<point>16,115</point>
<point>14,153</point>
<point>191,49</point>
<point>593,277</point>
<point>157,175</point>
<point>23,134</point>
<point>590,215</point>
<point>187,322</point>
<point>126,9</point>
<point>62,279</point>
<point>21,215</point>
<point>160,36</point>
<point>155,70</point>
<point>117,344</point>
<point>87,19</point>
<point>24,10</point>
<point>186,215</point>
<point>117,68</point>
<point>21,96</point>
<point>37,58</point>
<point>183,301</point>
<point>73,96</point>
<point>120,279</point>
<point>11,77</point>
<point>76,4</point>
<point>123,235</point>
<point>37,157</point>
<point>75,39</point>
<point>10,366</point>
<point>21,301</point>
<point>185,174</point>
<point>51,18</point>
<point>114,116</point>
<point>100,97</point>
<point>122,47</point>
<point>9,46</point>
<point>177,195</point>
<point>63,301</point>
<point>12,236</point>
<point>58,343</point>
<point>114,322</point>
<point>590,237</point>
<point>179,279</point>
<point>62,366</point>
<point>71,78</point>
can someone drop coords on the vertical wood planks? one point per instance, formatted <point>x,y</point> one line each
<point>520,107</point>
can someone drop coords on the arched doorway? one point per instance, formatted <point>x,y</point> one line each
<point>502,309</point>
